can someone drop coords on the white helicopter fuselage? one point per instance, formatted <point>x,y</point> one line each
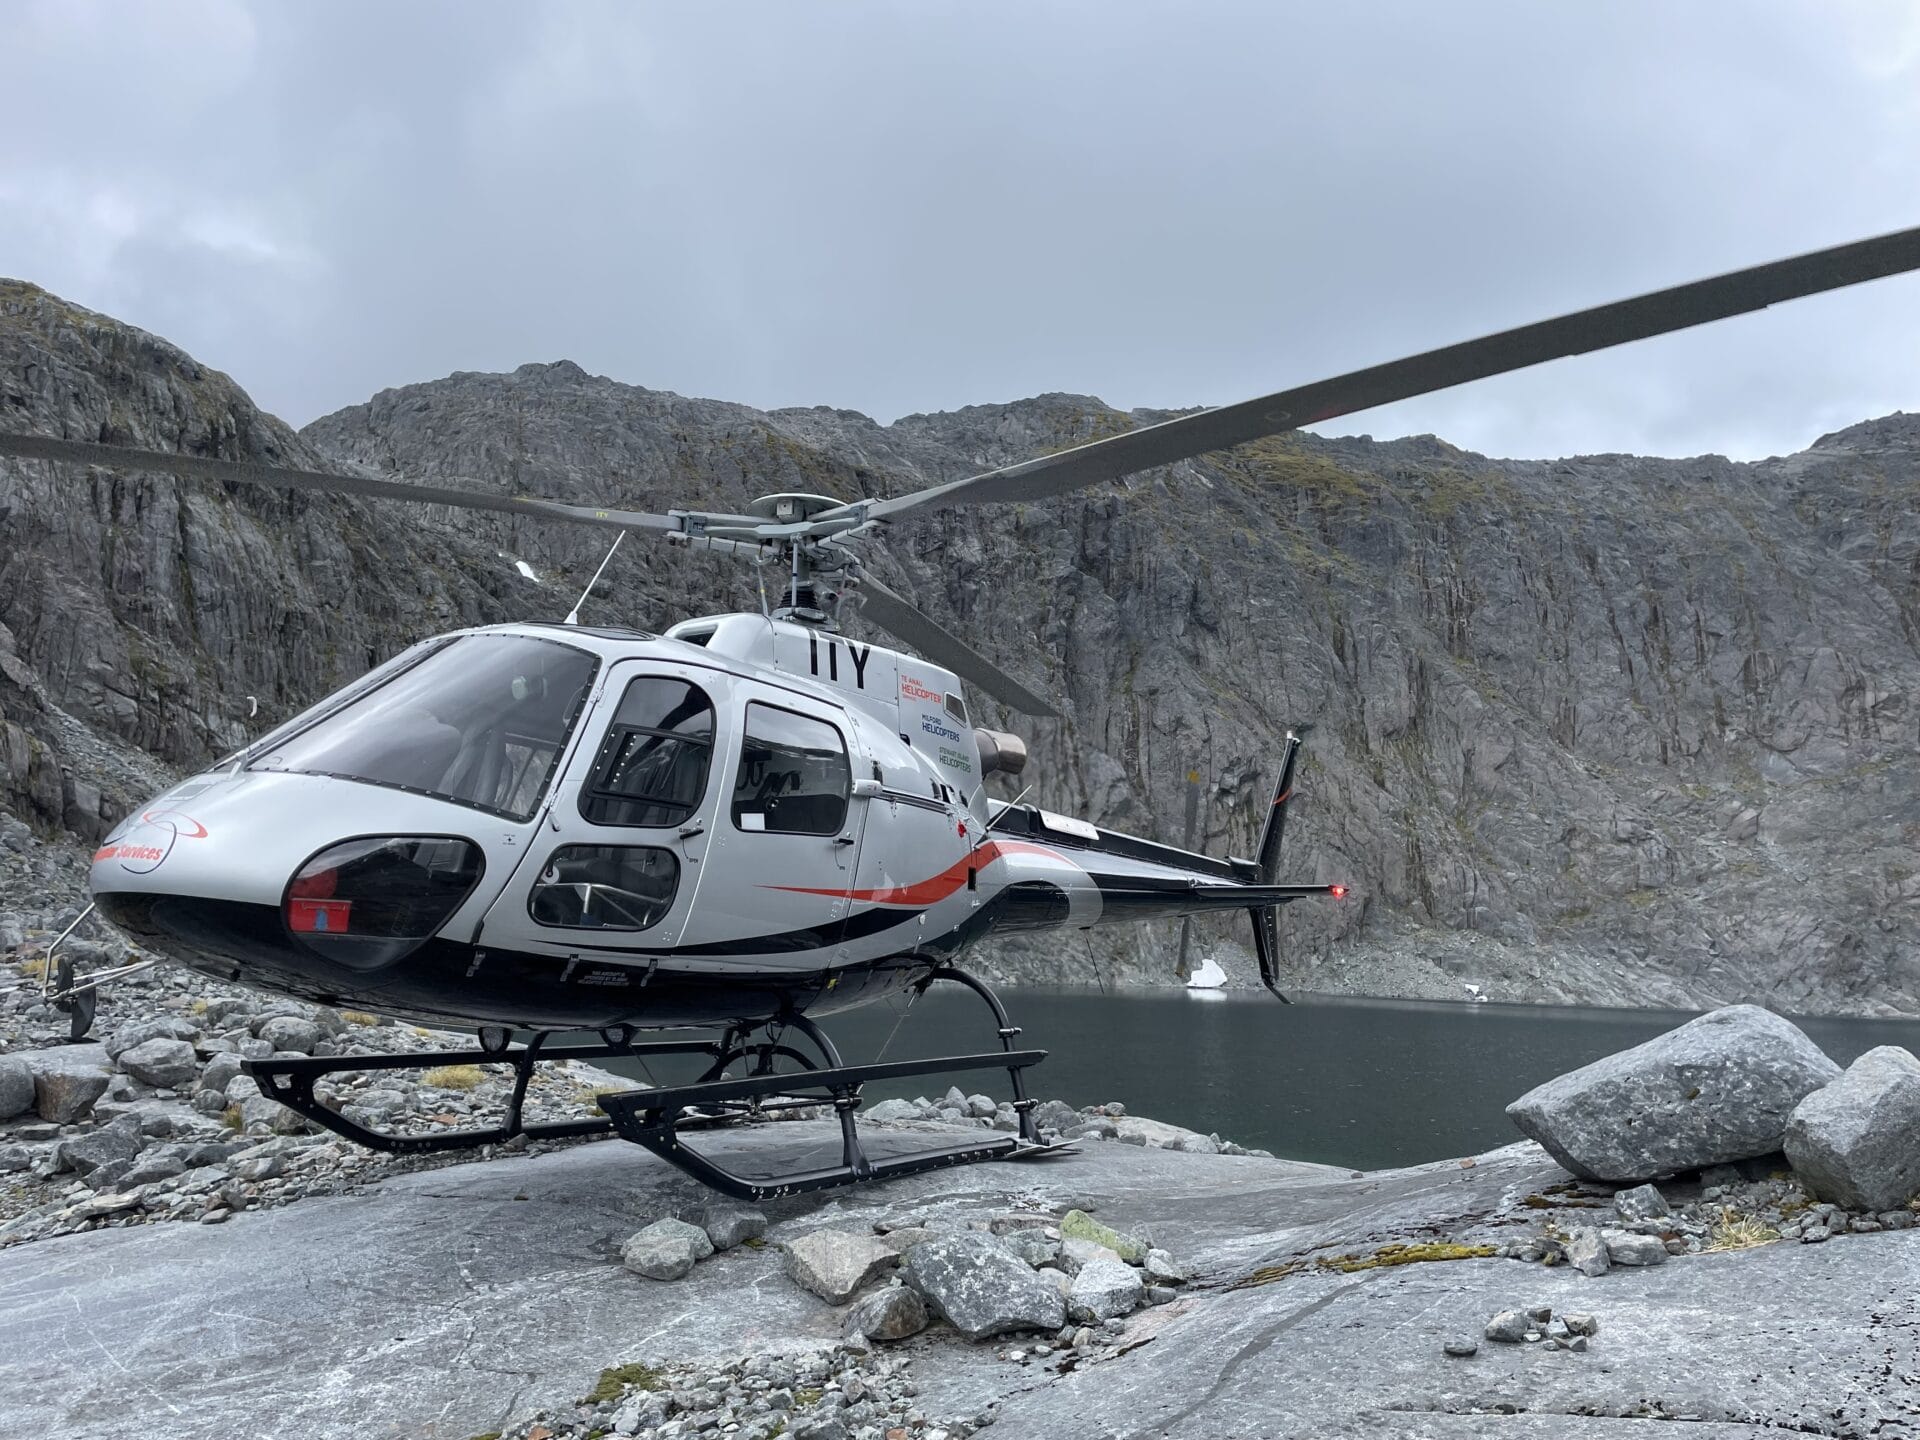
<point>572,827</point>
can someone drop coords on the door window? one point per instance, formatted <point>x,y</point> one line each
<point>793,777</point>
<point>605,887</point>
<point>652,765</point>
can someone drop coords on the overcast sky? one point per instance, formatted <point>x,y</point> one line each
<point>918,206</point>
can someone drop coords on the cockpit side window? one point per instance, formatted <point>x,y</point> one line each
<point>652,766</point>
<point>794,776</point>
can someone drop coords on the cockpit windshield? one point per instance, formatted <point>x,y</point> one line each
<point>480,722</point>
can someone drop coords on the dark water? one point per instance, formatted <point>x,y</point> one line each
<point>1366,1083</point>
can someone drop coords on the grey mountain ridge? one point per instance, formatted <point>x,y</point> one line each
<point>1607,729</point>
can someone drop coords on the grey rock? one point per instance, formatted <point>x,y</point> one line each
<point>1581,1323</point>
<point>665,1250</point>
<point>1033,1247</point>
<point>1587,1253</point>
<point>1159,1265</point>
<point>980,1288</point>
<point>1509,1327</point>
<point>1460,1349</point>
<point>1076,1252</point>
<point>221,1071</point>
<point>67,1081</point>
<point>1055,1115</point>
<point>290,1033</point>
<point>154,1027</point>
<point>161,1061</point>
<point>16,1087</point>
<point>727,1224</point>
<point>892,1111</point>
<point>893,1312</point>
<point>85,1153</point>
<point>1102,1290</point>
<point>151,1167</point>
<point>1642,1202</point>
<point>1856,1142</point>
<point>1628,1249</point>
<point>837,1264</point>
<point>1716,1089</point>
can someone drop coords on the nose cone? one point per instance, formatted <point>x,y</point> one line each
<point>202,875</point>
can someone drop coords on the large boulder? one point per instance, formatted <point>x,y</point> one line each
<point>67,1081</point>
<point>16,1087</point>
<point>170,1064</point>
<point>1857,1141</point>
<point>1717,1089</point>
<point>837,1264</point>
<point>981,1288</point>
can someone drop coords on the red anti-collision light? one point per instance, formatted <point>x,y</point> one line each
<point>1339,892</point>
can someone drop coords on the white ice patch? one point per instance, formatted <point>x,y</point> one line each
<point>1208,977</point>
<point>522,566</point>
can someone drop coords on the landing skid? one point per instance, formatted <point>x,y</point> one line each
<point>657,1118</point>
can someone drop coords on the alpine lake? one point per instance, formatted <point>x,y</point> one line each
<point>1361,1083</point>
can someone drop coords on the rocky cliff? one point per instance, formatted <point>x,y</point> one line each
<point>1613,729</point>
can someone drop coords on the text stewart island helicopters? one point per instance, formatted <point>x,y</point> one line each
<point>735,827</point>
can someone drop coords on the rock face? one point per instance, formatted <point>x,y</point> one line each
<point>1718,1088</point>
<point>981,1288</point>
<point>1857,1140</point>
<point>1586,729</point>
<point>836,1264</point>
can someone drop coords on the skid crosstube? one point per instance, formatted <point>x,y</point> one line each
<point>652,1118</point>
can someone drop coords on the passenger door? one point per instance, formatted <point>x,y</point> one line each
<point>786,831</point>
<point>618,861</point>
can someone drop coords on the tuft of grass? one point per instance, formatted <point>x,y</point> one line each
<point>198,1007</point>
<point>809,1396</point>
<point>34,967</point>
<point>589,1095</point>
<point>454,1077</point>
<point>359,1017</point>
<point>230,1117</point>
<point>616,1380</point>
<point>1399,1253</point>
<point>1407,1254</point>
<point>1740,1232</point>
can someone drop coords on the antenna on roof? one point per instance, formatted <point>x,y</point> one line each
<point>573,615</point>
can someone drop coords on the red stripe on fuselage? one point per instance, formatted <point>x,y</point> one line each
<point>935,888</point>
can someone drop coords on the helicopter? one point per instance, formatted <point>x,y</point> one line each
<point>732,828</point>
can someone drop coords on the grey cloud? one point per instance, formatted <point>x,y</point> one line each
<point>897,208</point>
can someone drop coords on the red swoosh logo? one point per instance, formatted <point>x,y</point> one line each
<point>934,888</point>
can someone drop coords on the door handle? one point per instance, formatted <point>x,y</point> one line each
<point>843,840</point>
<point>687,832</point>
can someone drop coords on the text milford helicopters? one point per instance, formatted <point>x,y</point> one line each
<point>737,826</point>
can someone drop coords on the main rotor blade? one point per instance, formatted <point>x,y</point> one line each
<point>897,617</point>
<point>201,467</point>
<point>1640,318</point>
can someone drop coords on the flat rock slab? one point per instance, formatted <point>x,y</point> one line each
<point>442,1304</point>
